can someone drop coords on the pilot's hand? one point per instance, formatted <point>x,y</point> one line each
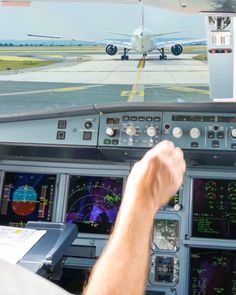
<point>156,177</point>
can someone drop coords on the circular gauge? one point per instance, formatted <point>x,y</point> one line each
<point>166,234</point>
<point>211,186</point>
<point>232,187</point>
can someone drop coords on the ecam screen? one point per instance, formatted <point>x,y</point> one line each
<point>212,272</point>
<point>93,202</point>
<point>214,208</point>
<point>26,197</point>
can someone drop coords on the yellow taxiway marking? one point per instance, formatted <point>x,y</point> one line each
<point>128,93</point>
<point>18,58</point>
<point>137,78</point>
<point>56,56</point>
<point>188,89</point>
<point>65,89</point>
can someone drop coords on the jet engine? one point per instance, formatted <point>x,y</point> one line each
<point>111,49</point>
<point>177,49</point>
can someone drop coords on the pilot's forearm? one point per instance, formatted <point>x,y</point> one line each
<point>123,267</point>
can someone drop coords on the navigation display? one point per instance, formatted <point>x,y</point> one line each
<point>26,197</point>
<point>212,272</point>
<point>93,202</point>
<point>214,208</point>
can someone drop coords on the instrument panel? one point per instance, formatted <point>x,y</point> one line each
<point>73,168</point>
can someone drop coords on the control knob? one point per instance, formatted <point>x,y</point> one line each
<point>110,132</point>
<point>177,132</point>
<point>233,133</point>
<point>131,130</point>
<point>151,131</point>
<point>194,133</point>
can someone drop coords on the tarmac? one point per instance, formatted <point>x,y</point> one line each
<point>99,78</point>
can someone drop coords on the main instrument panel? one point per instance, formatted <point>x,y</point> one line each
<point>73,168</point>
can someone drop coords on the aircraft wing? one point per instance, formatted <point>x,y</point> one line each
<point>160,44</point>
<point>118,44</point>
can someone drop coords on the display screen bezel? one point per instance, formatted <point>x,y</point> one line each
<point>204,174</point>
<point>85,231</point>
<point>5,173</point>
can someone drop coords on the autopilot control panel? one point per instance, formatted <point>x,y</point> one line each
<point>75,171</point>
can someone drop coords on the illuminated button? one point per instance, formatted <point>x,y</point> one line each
<point>211,134</point>
<point>107,141</point>
<point>141,119</point>
<point>177,132</point>
<point>134,118</point>
<point>110,131</point>
<point>149,119</point>
<point>151,131</point>
<point>233,146</point>
<point>61,135</point>
<point>88,124</point>
<point>220,134</point>
<point>126,118</point>
<point>131,130</point>
<point>194,144</point>
<point>157,119</point>
<point>194,133</point>
<point>233,133</point>
<point>115,141</point>
<point>215,144</point>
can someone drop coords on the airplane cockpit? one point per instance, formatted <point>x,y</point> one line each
<point>70,134</point>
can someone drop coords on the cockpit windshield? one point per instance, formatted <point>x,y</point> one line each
<point>56,55</point>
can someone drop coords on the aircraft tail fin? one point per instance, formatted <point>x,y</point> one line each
<point>143,24</point>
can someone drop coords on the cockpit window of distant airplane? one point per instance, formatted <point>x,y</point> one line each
<point>62,55</point>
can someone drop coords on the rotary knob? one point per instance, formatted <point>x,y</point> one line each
<point>151,131</point>
<point>177,132</point>
<point>194,133</point>
<point>131,130</point>
<point>233,133</point>
<point>110,132</point>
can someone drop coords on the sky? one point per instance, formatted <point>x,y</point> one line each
<point>90,21</point>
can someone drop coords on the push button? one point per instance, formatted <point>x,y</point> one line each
<point>220,134</point>
<point>211,134</point>
<point>141,119</point>
<point>62,124</point>
<point>115,141</point>
<point>61,135</point>
<point>194,144</point>
<point>126,118</point>
<point>87,135</point>
<point>107,141</point>
<point>215,144</point>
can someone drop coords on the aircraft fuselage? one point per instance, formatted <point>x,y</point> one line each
<point>143,41</point>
